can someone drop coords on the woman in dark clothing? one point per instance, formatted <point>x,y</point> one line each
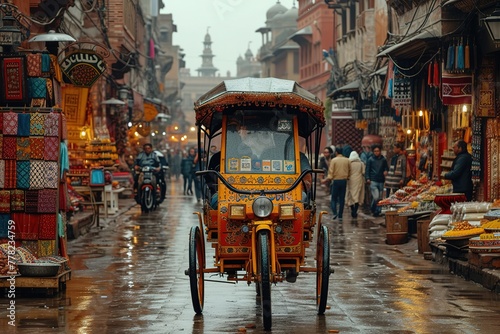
<point>460,174</point>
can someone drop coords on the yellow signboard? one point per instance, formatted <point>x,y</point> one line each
<point>150,112</point>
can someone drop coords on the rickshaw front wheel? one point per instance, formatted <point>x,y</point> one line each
<point>195,271</point>
<point>322,269</point>
<point>265,278</point>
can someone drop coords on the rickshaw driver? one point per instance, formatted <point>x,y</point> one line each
<point>257,141</point>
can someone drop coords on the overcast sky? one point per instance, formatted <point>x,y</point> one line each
<point>232,26</point>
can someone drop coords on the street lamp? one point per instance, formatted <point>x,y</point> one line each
<point>10,34</point>
<point>492,23</point>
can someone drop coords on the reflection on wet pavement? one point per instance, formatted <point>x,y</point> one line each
<point>128,277</point>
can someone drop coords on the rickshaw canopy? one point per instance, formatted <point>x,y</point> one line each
<point>259,94</point>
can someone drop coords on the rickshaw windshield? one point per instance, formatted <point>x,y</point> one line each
<point>260,142</point>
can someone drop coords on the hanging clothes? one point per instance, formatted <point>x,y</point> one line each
<point>450,59</point>
<point>467,56</point>
<point>460,56</point>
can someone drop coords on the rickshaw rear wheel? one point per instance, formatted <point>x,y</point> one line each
<point>196,266</point>
<point>265,278</point>
<point>322,269</point>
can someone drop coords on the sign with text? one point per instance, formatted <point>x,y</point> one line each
<point>83,68</point>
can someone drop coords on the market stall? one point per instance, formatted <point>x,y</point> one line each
<point>33,162</point>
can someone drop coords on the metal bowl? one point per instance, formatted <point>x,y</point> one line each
<point>38,269</point>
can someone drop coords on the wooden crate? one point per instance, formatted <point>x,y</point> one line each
<point>423,236</point>
<point>396,228</point>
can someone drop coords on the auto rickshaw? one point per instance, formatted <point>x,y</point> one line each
<point>259,208</point>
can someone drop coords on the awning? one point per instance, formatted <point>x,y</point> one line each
<point>303,34</point>
<point>380,71</point>
<point>350,87</point>
<point>414,46</point>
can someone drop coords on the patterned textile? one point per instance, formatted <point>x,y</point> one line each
<point>37,122</point>
<point>47,227</point>
<point>38,88</point>
<point>26,225</point>
<point>51,174</point>
<point>57,92</point>
<point>31,201</point>
<point>34,64</point>
<point>17,200</point>
<point>10,123</point>
<point>2,174</point>
<point>37,145</point>
<point>46,248</point>
<point>5,201</point>
<point>1,146</point>
<point>52,124</point>
<point>31,246</point>
<point>23,148</point>
<point>38,102</point>
<point>456,89</point>
<point>64,127</point>
<point>51,149</point>
<point>74,104</point>
<point>23,124</point>
<point>4,224</point>
<point>37,176</point>
<point>45,64</point>
<point>50,91</point>
<point>485,88</point>
<point>23,174</point>
<point>47,200</point>
<point>55,69</point>
<point>9,147</point>
<point>10,174</point>
<point>1,122</point>
<point>13,74</point>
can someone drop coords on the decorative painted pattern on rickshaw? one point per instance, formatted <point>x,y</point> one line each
<point>233,250</point>
<point>237,198</point>
<point>297,249</point>
<point>271,179</point>
<point>235,235</point>
<point>287,237</point>
<point>261,100</point>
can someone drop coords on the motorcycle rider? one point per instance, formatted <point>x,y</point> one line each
<point>146,158</point>
<point>161,174</point>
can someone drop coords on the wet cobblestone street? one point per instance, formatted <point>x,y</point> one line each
<point>128,277</point>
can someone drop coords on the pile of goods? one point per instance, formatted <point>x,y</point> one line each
<point>4,266</point>
<point>422,190</point>
<point>462,230</point>
<point>24,255</point>
<point>439,225</point>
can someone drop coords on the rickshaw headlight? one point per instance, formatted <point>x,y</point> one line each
<point>237,211</point>
<point>262,207</point>
<point>287,211</point>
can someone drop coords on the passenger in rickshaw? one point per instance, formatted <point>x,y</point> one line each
<point>256,143</point>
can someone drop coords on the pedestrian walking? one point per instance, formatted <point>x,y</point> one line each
<point>396,177</point>
<point>196,178</point>
<point>324,163</point>
<point>338,173</point>
<point>355,185</point>
<point>346,148</point>
<point>376,170</point>
<point>187,165</point>
<point>460,173</point>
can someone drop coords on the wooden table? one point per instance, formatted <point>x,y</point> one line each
<point>52,284</point>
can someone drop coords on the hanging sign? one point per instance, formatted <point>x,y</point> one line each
<point>150,112</point>
<point>83,68</point>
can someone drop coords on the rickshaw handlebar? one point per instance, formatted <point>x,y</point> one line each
<point>260,192</point>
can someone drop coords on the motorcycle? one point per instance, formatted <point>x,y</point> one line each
<point>147,189</point>
<point>162,184</point>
